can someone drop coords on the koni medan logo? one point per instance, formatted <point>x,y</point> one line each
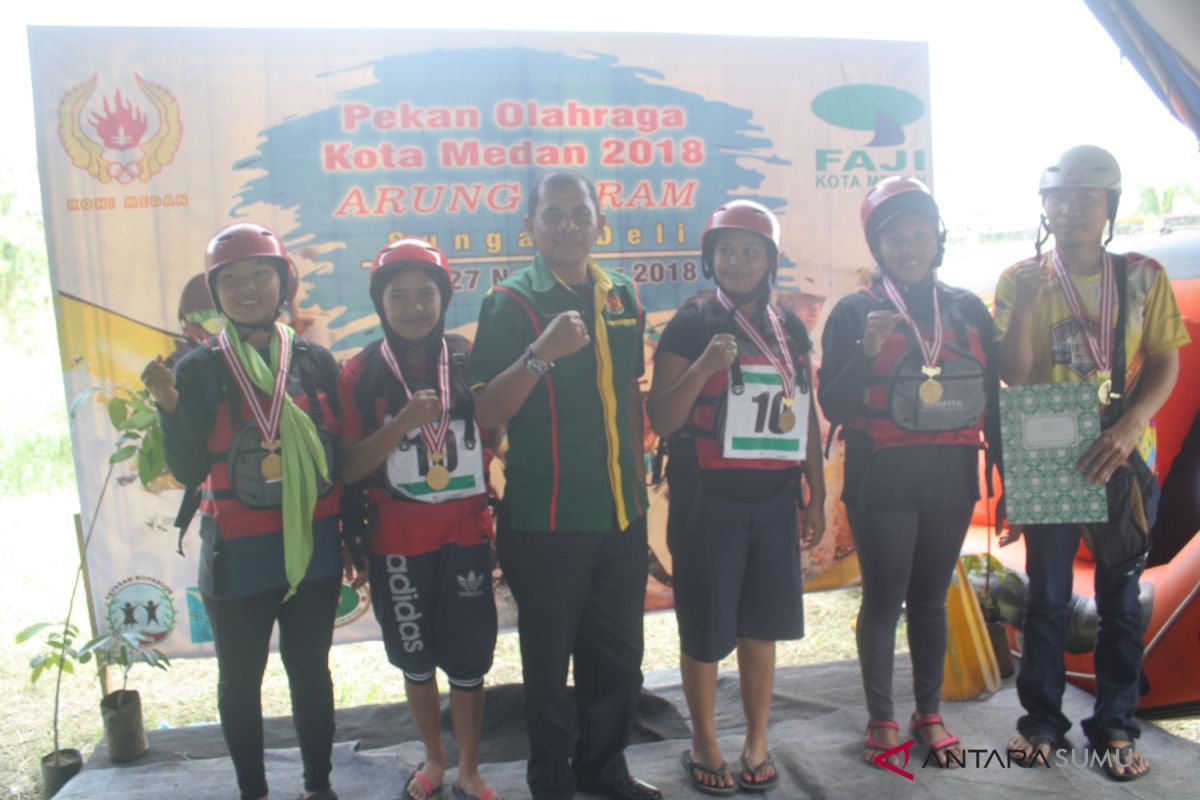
<point>116,139</point>
<point>882,110</point>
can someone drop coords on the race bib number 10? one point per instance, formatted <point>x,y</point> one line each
<point>752,427</point>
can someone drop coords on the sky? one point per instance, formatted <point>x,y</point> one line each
<point>1013,83</point>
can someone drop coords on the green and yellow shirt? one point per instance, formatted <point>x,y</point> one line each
<point>570,463</point>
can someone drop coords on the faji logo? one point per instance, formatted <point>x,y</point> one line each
<point>882,110</point>
<point>882,759</point>
<point>120,151</point>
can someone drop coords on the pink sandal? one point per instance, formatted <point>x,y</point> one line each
<point>939,747</point>
<point>874,744</point>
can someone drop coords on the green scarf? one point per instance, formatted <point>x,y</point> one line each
<point>302,453</point>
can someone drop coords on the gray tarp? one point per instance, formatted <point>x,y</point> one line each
<point>818,724</point>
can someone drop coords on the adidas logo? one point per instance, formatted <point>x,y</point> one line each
<point>471,584</point>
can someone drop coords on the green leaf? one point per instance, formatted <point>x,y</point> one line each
<point>78,400</point>
<point>95,644</point>
<point>118,412</point>
<point>33,630</point>
<point>125,453</point>
<point>39,666</point>
<point>67,666</point>
<point>142,419</point>
<point>148,466</point>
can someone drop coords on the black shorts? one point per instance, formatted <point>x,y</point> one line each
<point>736,571</point>
<point>436,610</point>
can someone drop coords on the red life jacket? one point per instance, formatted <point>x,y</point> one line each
<point>235,493</point>
<point>874,417</point>
<point>705,423</point>
<point>401,526</point>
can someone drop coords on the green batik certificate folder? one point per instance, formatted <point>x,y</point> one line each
<point>1044,430</point>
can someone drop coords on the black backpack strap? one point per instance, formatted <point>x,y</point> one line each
<point>188,506</point>
<point>459,360</point>
<point>309,383</point>
<point>659,462</point>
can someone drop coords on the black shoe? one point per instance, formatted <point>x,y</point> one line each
<point>622,787</point>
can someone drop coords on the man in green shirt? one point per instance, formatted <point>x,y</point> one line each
<point>556,360</point>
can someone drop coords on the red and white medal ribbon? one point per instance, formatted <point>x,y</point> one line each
<point>931,352</point>
<point>267,422</point>
<point>785,367</point>
<point>1100,346</point>
<point>434,435</point>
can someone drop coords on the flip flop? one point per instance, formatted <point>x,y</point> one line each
<point>720,772</point>
<point>753,785</point>
<point>1123,754</point>
<point>1035,742</point>
<point>462,794</point>
<point>420,777</point>
<point>939,747</point>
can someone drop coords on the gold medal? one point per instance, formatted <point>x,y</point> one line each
<point>272,463</point>
<point>787,420</point>
<point>1105,391</point>
<point>930,392</point>
<point>437,478</point>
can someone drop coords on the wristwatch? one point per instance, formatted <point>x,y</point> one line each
<point>536,365</point>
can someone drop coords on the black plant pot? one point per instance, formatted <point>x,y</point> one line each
<point>58,768</point>
<point>124,733</point>
<point>998,633</point>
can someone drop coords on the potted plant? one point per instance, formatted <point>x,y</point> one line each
<point>121,710</point>
<point>133,415</point>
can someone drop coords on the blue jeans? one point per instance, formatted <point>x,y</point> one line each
<point>1049,560</point>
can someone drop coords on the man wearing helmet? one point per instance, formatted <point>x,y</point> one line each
<point>556,359</point>
<point>737,456</point>
<point>252,415</point>
<point>908,373</point>
<point>1052,327</point>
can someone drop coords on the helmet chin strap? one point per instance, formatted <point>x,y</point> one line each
<point>1044,234</point>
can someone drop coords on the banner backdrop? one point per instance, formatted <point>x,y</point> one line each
<point>151,139</point>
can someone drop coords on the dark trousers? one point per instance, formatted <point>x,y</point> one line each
<point>1050,560</point>
<point>242,636</point>
<point>907,558</point>
<point>578,594</point>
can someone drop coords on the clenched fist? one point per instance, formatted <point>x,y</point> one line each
<point>879,327</point>
<point>423,408</point>
<point>160,381</point>
<point>566,334</point>
<point>720,354</point>
<point>1031,281</point>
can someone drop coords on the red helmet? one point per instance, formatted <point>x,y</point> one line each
<point>892,197</point>
<point>410,253</point>
<point>745,215</point>
<point>246,240</point>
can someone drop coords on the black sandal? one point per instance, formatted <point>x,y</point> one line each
<point>721,772</point>
<point>756,785</point>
